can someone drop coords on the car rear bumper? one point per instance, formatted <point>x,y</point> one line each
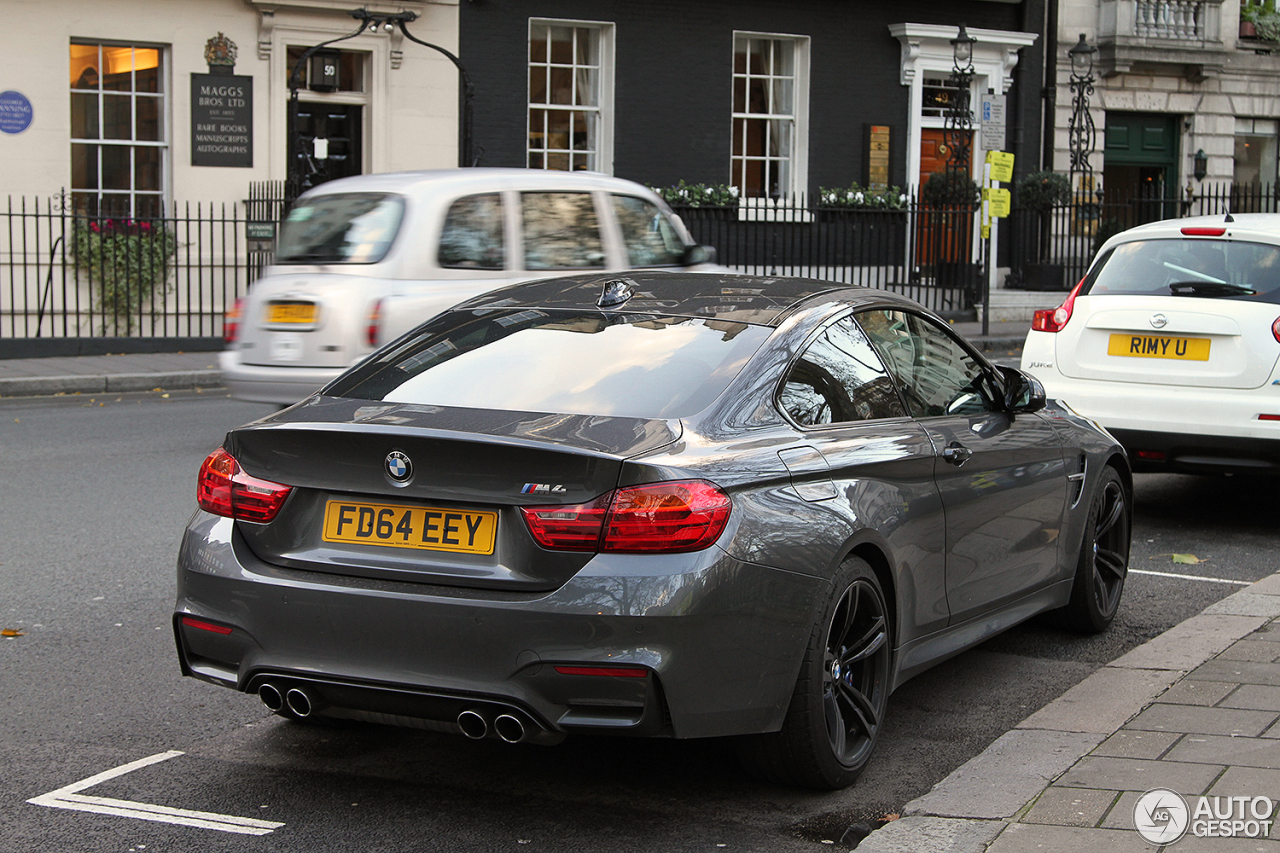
<point>270,384</point>
<point>1178,453</point>
<point>719,640</point>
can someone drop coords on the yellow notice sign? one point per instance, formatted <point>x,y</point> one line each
<point>999,202</point>
<point>1001,165</point>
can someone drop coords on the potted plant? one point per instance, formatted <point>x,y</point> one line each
<point>1041,192</point>
<point>1260,21</point>
<point>952,188</point>
<point>126,262</point>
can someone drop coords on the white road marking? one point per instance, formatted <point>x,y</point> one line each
<point>1189,577</point>
<point>69,797</point>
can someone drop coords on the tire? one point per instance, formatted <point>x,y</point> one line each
<point>1104,559</point>
<point>838,705</point>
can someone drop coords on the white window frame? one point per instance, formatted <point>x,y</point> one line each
<point>603,110</point>
<point>165,126</point>
<point>798,177</point>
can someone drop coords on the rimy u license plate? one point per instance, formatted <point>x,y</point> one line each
<point>1159,346</point>
<point>465,531</point>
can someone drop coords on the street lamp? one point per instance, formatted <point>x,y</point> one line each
<point>1082,135</point>
<point>960,118</point>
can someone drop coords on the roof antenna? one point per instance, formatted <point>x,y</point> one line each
<point>616,291</point>
<point>1229,218</point>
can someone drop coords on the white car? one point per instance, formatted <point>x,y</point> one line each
<point>1171,341</point>
<point>362,260</point>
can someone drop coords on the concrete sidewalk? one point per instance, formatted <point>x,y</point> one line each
<point>1195,711</point>
<point>97,374</point>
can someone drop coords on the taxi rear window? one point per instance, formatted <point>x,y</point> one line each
<point>343,228</point>
<point>559,361</point>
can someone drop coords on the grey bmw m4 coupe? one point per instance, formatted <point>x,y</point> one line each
<point>661,504</point>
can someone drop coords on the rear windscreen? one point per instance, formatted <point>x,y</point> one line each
<point>567,362</point>
<point>1190,267</point>
<point>345,228</point>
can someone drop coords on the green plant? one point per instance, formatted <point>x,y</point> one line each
<point>1044,190</point>
<point>1265,20</point>
<point>855,197</point>
<point>952,188</point>
<point>698,195</point>
<point>127,260</point>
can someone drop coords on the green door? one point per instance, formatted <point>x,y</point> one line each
<point>1140,167</point>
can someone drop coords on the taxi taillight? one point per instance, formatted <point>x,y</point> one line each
<point>223,488</point>
<point>1056,319</point>
<point>231,322</point>
<point>657,518</point>
<point>374,325</point>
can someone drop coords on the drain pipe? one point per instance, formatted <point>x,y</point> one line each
<point>1050,91</point>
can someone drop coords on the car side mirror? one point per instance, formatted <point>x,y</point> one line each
<point>1023,393</point>
<point>694,255</point>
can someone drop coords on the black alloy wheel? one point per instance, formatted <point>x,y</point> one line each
<point>1104,558</point>
<point>855,671</point>
<point>838,706</point>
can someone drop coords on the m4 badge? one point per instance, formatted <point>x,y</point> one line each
<point>543,489</point>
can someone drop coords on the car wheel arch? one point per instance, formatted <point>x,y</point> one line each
<point>875,554</point>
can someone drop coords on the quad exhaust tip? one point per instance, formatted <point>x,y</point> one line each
<point>473,724</point>
<point>299,702</point>
<point>510,728</point>
<point>271,697</point>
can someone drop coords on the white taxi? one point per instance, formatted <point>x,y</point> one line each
<point>362,260</point>
<point>1172,342</point>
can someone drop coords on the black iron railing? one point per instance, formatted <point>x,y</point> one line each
<point>65,274</point>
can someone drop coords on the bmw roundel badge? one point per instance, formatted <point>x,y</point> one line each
<point>399,467</point>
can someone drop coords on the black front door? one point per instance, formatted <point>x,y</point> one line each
<point>340,125</point>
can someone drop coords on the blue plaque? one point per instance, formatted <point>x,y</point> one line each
<point>15,112</point>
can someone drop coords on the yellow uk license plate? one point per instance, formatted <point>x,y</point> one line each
<point>1159,346</point>
<point>291,312</point>
<point>465,531</point>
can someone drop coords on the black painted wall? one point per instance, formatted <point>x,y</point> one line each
<point>674,71</point>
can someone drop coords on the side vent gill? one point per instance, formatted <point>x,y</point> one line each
<point>1076,481</point>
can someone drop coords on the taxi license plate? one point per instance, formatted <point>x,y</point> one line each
<point>464,531</point>
<point>1159,346</point>
<point>291,312</point>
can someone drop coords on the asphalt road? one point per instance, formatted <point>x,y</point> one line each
<point>95,491</point>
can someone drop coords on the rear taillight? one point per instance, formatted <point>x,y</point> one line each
<point>1056,320</point>
<point>224,489</point>
<point>231,322</point>
<point>658,518</point>
<point>1275,330</point>
<point>374,325</point>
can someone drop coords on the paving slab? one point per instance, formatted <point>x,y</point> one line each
<point>1193,719</point>
<point>1186,776</point>
<point>1071,807</point>
<point>1218,750</point>
<point>1025,837</point>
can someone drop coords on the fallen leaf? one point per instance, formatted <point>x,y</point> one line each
<point>1184,559</point>
<point>890,817</point>
<point>164,396</point>
<point>10,632</point>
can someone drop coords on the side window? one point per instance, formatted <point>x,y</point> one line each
<point>561,231</point>
<point>839,379</point>
<point>473,237</point>
<point>648,234</point>
<point>937,375</point>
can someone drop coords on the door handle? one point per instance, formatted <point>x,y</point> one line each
<point>956,453</point>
